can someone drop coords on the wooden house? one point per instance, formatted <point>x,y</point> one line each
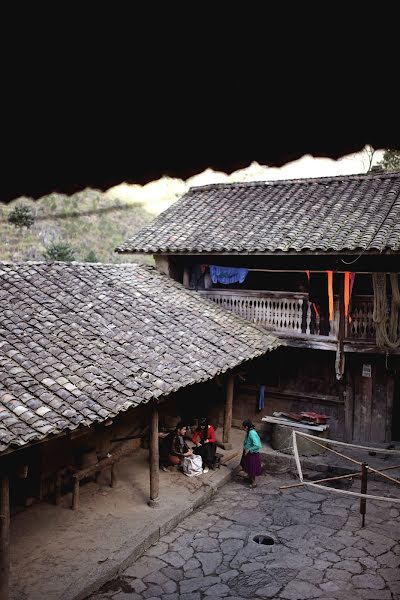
<point>309,260</point>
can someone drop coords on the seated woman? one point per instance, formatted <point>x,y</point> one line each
<point>173,447</point>
<point>206,444</point>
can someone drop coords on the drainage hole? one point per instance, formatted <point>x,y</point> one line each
<point>264,539</point>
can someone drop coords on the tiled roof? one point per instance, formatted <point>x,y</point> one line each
<point>332,214</point>
<point>79,343</point>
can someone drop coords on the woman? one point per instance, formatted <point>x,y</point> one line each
<point>251,462</point>
<point>206,444</point>
<point>174,447</point>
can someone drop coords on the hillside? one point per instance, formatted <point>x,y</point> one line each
<point>94,223</point>
<point>90,222</point>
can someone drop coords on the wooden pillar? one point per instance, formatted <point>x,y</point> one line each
<point>154,459</point>
<point>228,413</point>
<point>75,494</point>
<point>4,537</point>
<point>340,356</point>
<point>186,276</point>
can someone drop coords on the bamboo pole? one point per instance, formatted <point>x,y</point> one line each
<point>293,485</point>
<point>364,483</point>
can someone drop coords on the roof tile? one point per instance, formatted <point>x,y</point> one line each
<point>332,214</point>
<point>124,335</point>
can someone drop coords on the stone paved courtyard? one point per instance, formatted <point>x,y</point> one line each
<point>320,549</point>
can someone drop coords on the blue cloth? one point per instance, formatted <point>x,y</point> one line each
<point>261,398</point>
<point>227,274</point>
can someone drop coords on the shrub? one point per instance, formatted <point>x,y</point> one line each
<point>21,216</point>
<point>59,251</point>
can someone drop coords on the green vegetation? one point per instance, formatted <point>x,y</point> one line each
<point>89,223</point>
<point>21,216</point>
<point>59,251</point>
<point>391,160</point>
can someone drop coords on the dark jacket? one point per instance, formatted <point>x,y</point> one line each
<point>173,444</point>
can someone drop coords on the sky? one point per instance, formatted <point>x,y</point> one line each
<point>157,196</point>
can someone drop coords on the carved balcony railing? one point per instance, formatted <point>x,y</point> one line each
<point>360,325</point>
<point>291,313</point>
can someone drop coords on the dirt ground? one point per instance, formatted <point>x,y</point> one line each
<point>55,551</point>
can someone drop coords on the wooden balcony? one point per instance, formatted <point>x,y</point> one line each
<point>291,316</point>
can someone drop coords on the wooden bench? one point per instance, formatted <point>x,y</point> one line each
<point>95,469</point>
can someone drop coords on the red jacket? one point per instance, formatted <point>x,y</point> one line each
<point>199,435</point>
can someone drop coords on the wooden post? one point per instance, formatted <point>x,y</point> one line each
<point>228,413</point>
<point>4,537</point>
<point>341,331</point>
<point>75,494</point>
<point>58,488</point>
<point>186,276</point>
<point>154,459</point>
<point>112,475</point>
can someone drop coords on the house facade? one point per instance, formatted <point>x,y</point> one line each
<point>315,262</point>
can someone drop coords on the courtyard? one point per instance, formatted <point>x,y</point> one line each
<point>314,547</point>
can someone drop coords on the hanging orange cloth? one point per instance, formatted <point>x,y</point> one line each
<point>308,276</point>
<point>330,294</point>
<point>348,288</point>
<point>346,294</point>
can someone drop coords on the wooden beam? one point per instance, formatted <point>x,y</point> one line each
<point>4,537</point>
<point>154,459</point>
<point>228,413</point>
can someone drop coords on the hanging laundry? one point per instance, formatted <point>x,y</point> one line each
<point>261,400</point>
<point>227,275</point>
<point>348,288</point>
<point>352,279</point>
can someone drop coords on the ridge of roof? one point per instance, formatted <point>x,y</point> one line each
<point>305,180</point>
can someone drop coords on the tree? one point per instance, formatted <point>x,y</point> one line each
<point>21,216</point>
<point>367,157</point>
<point>391,160</point>
<point>59,251</point>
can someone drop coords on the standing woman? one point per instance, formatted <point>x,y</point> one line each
<point>251,462</point>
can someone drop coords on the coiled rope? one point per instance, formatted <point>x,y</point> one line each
<point>387,328</point>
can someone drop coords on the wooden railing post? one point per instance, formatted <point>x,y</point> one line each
<point>154,459</point>
<point>228,413</point>
<point>4,537</point>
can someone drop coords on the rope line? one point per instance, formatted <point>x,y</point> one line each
<point>333,489</point>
